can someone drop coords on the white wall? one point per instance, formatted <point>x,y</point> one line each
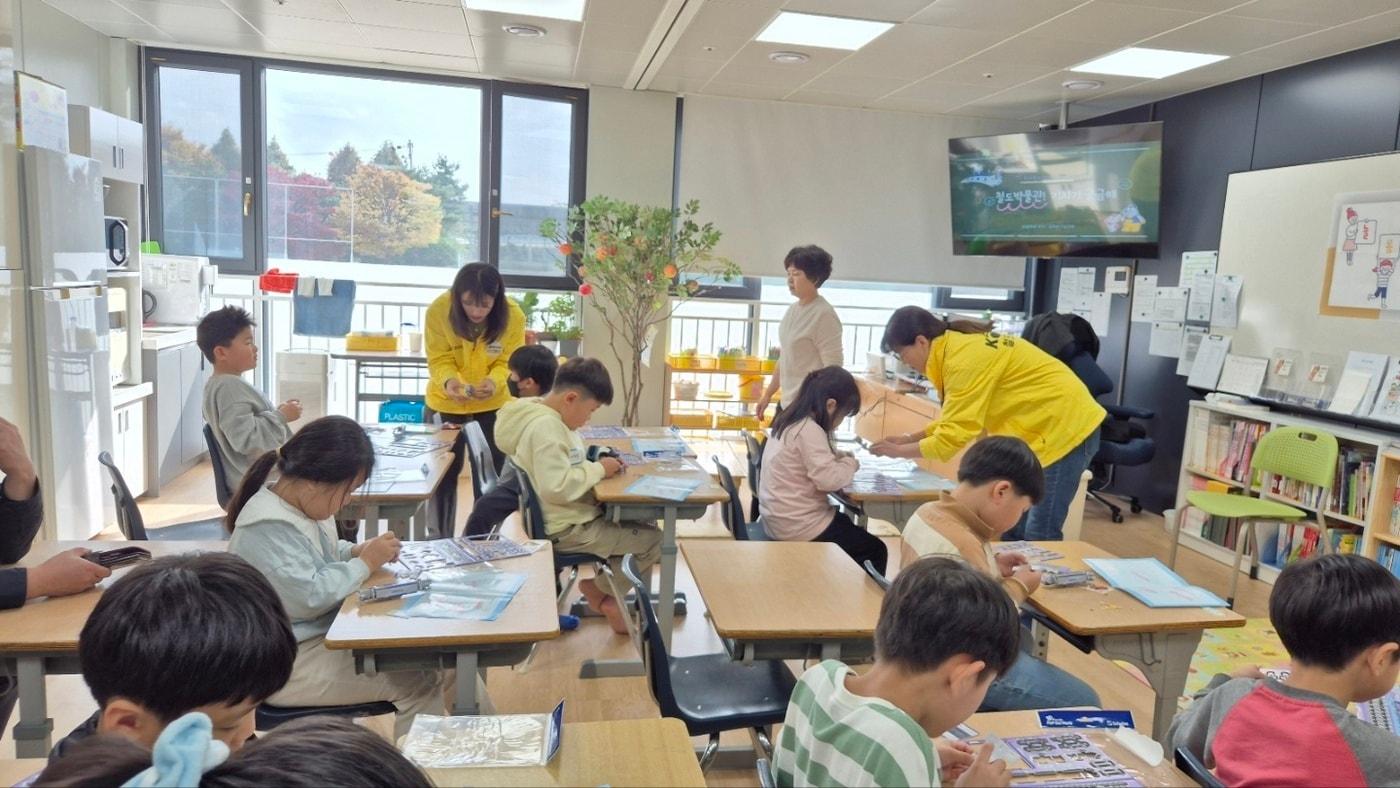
<point>870,187</point>
<point>58,48</point>
<point>631,151</point>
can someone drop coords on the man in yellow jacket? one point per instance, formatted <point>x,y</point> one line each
<point>999,385</point>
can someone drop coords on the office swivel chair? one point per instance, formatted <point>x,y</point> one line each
<point>1123,441</point>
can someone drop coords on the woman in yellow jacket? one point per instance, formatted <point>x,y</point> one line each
<point>999,385</point>
<point>470,332</point>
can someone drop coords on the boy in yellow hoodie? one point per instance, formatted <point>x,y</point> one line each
<point>541,437</point>
<point>999,479</point>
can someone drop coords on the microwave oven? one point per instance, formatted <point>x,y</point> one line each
<point>118,249</point>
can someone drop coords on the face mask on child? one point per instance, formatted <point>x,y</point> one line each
<point>514,387</point>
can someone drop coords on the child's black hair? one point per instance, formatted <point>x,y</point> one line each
<point>813,261</point>
<point>219,328</point>
<point>1003,458</point>
<point>585,375</point>
<point>537,363</point>
<point>329,450</point>
<point>818,387</point>
<point>938,608</point>
<point>186,631</point>
<point>482,281</point>
<point>1329,609</point>
<point>304,753</point>
<point>908,323</point>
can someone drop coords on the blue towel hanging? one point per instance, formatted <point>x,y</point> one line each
<point>325,315</point>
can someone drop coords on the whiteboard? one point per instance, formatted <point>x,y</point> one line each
<point>1276,232</point>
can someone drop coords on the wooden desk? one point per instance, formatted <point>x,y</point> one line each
<point>12,771</point>
<point>617,752</point>
<point>897,507</point>
<point>785,600</point>
<point>382,642</point>
<point>1159,641</point>
<point>1027,723</point>
<point>389,365</point>
<point>402,503</point>
<point>41,638</point>
<point>619,505</point>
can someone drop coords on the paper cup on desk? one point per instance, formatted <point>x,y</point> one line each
<point>875,364</point>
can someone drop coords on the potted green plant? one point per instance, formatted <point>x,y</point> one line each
<point>559,322</point>
<point>771,363</point>
<point>636,264</point>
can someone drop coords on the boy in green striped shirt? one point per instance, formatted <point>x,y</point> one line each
<point>945,632</point>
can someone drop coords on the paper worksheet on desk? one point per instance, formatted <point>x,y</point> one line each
<point>1152,583</point>
<point>1144,298</point>
<point>1165,340</point>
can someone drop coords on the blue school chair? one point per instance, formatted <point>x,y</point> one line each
<point>1195,769</point>
<point>222,492</point>
<point>133,526</point>
<point>732,512</point>
<point>710,693</point>
<point>268,716</point>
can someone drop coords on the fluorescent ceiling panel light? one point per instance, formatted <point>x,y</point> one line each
<point>813,30</point>
<point>551,9</point>
<point>1147,63</point>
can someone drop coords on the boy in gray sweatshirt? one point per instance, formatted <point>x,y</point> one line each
<point>245,423</point>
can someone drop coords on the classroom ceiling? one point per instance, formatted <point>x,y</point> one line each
<point>986,58</point>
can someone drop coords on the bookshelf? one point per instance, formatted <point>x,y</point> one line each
<point>702,411</point>
<point>1357,511</point>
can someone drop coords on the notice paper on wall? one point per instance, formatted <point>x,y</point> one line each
<point>1144,298</point>
<point>1209,362</point>
<point>1350,391</point>
<point>1243,375</point>
<point>1199,302</point>
<point>1191,337</point>
<point>1225,306</point>
<point>1165,340</point>
<point>1170,304</point>
<point>1194,264</point>
<point>1095,309</point>
<point>1076,287</point>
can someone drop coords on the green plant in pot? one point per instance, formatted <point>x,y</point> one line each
<point>635,264</point>
<point>559,322</point>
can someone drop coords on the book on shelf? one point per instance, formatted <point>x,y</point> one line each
<point>1388,556</point>
<point>1350,494</point>
<point>1395,509</point>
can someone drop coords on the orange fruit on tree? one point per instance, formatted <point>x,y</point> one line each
<point>566,249</point>
<point>671,270</point>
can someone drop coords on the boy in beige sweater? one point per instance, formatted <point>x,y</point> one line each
<point>999,479</point>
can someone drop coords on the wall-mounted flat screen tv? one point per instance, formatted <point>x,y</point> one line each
<point>1085,192</point>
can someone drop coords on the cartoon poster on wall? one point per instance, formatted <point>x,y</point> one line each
<point>1366,244</point>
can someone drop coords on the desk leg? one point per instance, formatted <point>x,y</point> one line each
<point>1165,659</point>
<point>34,730</point>
<point>371,521</point>
<point>1040,640</point>
<point>420,523</point>
<point>667,614</point>
<point>466,701</point>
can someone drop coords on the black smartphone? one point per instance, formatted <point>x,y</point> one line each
<point>119,556</point>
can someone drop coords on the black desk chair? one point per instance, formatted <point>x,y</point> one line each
<point>1195,769</point>
<point>483,464</point>
<point>755,452</point>
<point>880,580</point>
<point>133,526</point>
<point>222,491</point>
<point>710,693</point>
<point>268,716</point>
<point>732,512</point>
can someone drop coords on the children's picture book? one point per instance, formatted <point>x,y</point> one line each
<point>1387,407</point>
<point>1152,583</point>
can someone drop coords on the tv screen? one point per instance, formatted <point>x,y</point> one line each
<point>1090,192</point>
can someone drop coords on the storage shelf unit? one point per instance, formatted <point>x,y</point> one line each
<point>1372,527</point>
<point>726,406</point>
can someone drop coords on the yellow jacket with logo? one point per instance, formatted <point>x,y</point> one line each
<point>451,356</point>
<point>1006,386</point>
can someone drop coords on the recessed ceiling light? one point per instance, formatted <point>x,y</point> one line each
<point>1147,63</point>
<point>550,9</point>
<point>788,58</point>
<point>1081,84</point>
<point>831,32</point>
<point>524,30</point>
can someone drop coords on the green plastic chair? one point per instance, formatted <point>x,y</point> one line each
<point>1299,453</point>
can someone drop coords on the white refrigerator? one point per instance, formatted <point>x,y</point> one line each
<point>54,371</point>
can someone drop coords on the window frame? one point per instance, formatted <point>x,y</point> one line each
<point>254,124</point>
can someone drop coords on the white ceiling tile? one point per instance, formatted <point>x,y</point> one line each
<point>136,32</point>
<point>323,30</point>
<point>995,73</point>
<point>1049,89</point>
<point>1010,16</point>
<point>1010,112</point>
<point>209,37</point>
<point>93,11</point>
<point>829,99</point>
<point>190,17</point>
<point>1316,12</point>
<point>912,51</point>
<point>752,67</point>
<point>541,72</point>
<point>689,69</point>
<point>418,41</point>
<point>677,84</point>
<point>943,93</point>
<point>1200,6</point>
<point>465,65</point>
<point>496,53</point>
<point>322,49</point>
<point>1229,35</point>
<point>407,15</point>
<point>740,90</point>
<point>837,80</point>
<point>920,106</point>
<point>726,26</point>
<point>603,61</point>
<point>1344,38</point>
<point>1115,24</point>
<point>882,10</point>
<point>1037,51</point>
<point>619,37</point>
<point>488,24</point>
<point>607,79</point>
<point>256,10</point>
<point>630,13</point>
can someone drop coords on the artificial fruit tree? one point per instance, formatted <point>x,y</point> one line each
<point>636,264</point>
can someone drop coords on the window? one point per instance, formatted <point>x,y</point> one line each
<point>360,173</point>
